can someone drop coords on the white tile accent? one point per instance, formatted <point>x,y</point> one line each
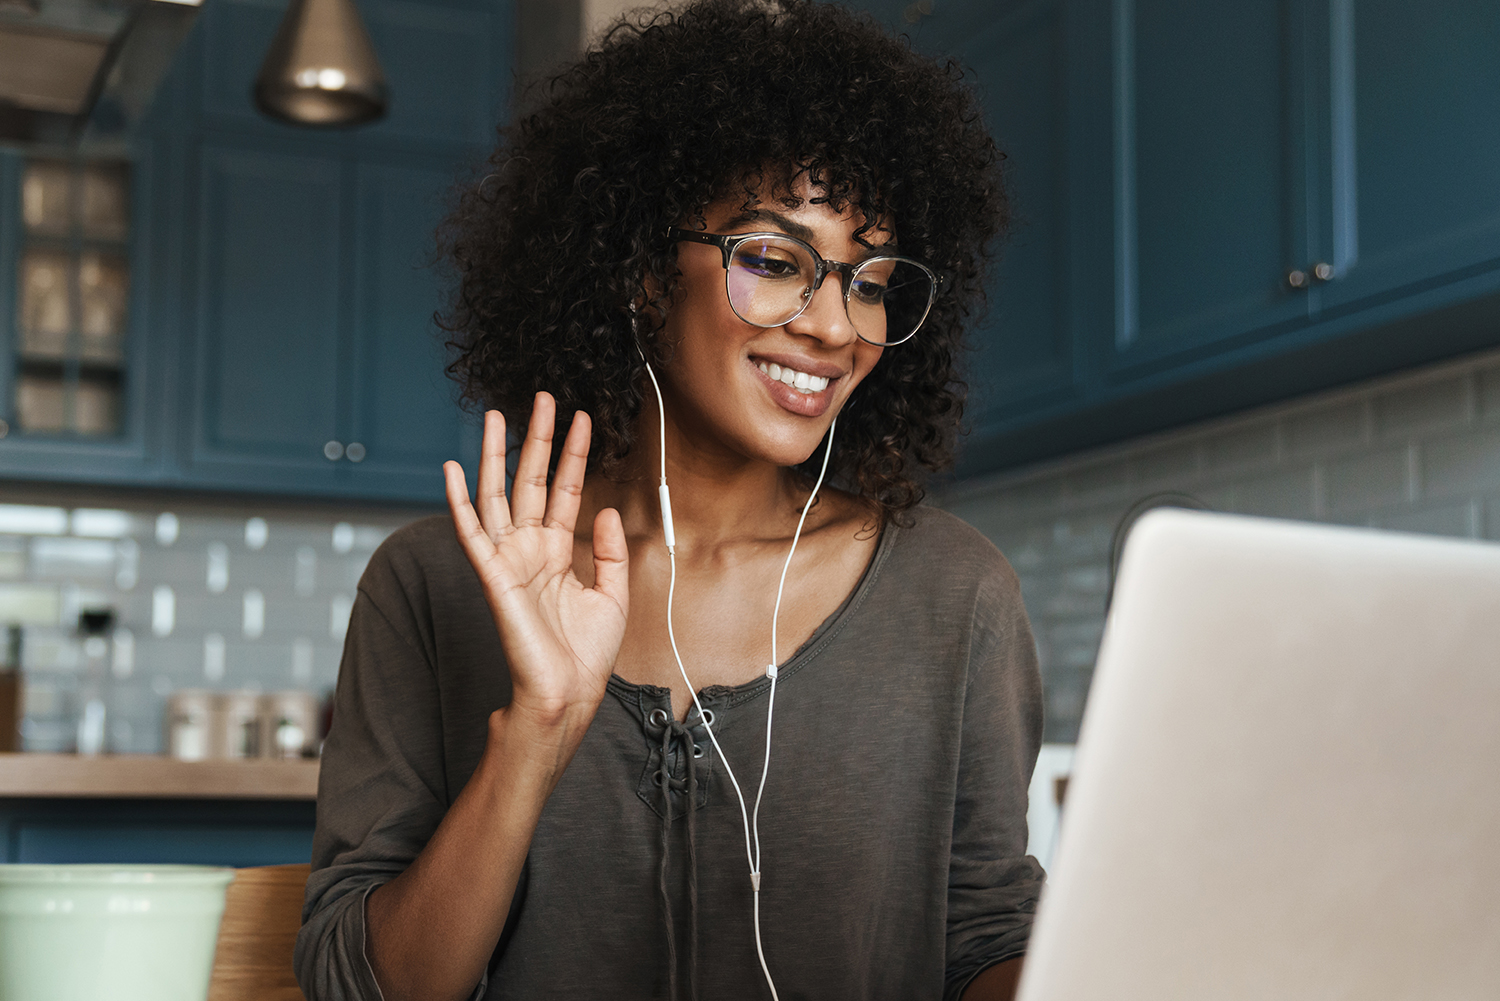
<point>253,620</point>
<point>163,610</point>
<point>213,657</point>
<point>218,568</point>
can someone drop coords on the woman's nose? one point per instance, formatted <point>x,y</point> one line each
<point>825,316</point>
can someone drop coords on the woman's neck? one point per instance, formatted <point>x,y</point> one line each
<point>718,497</point>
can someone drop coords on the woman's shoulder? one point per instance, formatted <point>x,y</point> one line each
<point>935,549</point>
<point>942,535</point>
<point>422,557</point>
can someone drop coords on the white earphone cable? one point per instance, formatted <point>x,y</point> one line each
<point>752,827</point>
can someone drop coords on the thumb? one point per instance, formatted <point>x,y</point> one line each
<point>611,558</point>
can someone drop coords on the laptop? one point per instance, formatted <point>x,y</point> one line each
<point>1287,782</point>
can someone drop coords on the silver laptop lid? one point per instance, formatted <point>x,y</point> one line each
<point>1288,776</point>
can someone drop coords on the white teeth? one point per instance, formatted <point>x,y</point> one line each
<point>800,381</point>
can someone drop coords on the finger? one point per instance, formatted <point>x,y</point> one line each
<point>611,558</point>
<point>567,481</point>
<point>494,512</point>
<point>528,492</point>
<point>471,534</point>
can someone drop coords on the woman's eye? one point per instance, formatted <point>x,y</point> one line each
<point>867,291</point>
<point>768,267</point>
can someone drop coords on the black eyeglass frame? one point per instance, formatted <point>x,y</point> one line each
<point>729,243</point>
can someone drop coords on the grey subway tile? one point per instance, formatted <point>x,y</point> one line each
<point>1368,480</point>
<point>1453,519</point>
<point>1461,464</point>
<point>1251,445</point>
<point>1326,430</point>
<point>1425,405</point>
<point>1279,495</point>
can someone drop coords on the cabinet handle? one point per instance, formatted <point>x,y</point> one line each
<point>355,452</point>
<point>1297,279</point>
<point>333,451</point>
<point>1322,271</point>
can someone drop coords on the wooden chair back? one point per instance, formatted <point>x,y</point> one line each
<point>262,913</point>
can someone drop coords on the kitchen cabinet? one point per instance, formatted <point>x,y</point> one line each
<point>1422,206</point>
<point>266,324</point>
<point>1180,171</point>
<point>317,365</point>
<point>148,809</point>
<point>281,336</point>
<point>134,451</point>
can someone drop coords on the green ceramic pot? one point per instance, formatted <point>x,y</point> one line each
<point>109,932</point>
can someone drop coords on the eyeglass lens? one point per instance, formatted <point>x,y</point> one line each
<point>770,281</point>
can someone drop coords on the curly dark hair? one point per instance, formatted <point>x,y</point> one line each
<point>672,111</point>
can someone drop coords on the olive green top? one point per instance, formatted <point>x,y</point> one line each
<point>893,828</point>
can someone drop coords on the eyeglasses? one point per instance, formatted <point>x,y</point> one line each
<point>771,278</point>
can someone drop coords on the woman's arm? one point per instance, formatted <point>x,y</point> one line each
<point>432,930</point>
<point>998,983</point>
<point>993,884</point>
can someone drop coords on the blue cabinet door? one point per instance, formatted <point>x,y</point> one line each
<point>1025,61</point>
<point>1027,345</point>
<point>266,358</point>
<point>1424,196</point>
<point>404,408</point>
<point>1211,166</point>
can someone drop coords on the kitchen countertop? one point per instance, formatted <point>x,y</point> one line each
<point>149,776</point>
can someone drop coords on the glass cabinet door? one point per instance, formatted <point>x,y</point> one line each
<point>73,286</point>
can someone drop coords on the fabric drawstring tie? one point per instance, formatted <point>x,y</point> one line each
<point>673,730</point>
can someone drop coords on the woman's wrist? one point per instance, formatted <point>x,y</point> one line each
<point>536,743</point>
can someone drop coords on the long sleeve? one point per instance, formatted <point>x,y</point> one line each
<point>380,797</point>
<point>993,884</point>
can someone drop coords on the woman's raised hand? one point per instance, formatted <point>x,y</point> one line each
<point>559,637</point>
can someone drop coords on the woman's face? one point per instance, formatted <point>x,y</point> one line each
<point>720,379</point>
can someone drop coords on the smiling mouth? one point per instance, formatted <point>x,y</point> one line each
<point>800,381</point>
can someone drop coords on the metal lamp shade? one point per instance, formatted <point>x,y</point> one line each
<point>321,69</point>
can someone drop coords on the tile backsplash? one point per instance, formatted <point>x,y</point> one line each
<point>202,594</point>
<point>238,595</point>
<point>1416,452</point>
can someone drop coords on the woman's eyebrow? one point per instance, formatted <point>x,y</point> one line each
<point>790,227</point>
<point>787,226</point>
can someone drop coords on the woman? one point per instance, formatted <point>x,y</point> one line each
<point>571,755</point>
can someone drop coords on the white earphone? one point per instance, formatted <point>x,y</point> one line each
<point>751,820</point>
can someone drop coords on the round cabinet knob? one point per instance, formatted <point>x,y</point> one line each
<point>333,451</point>
<point>1297,279</point>
<point>355,452</point>
<point>1322,271</point>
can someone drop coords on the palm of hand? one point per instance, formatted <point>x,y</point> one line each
<point>548,617</point>
<point>560,638</point>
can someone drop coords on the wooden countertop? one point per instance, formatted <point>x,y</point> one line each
<point>150,776</point>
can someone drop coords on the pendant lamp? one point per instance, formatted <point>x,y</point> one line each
<point>321,69</point>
